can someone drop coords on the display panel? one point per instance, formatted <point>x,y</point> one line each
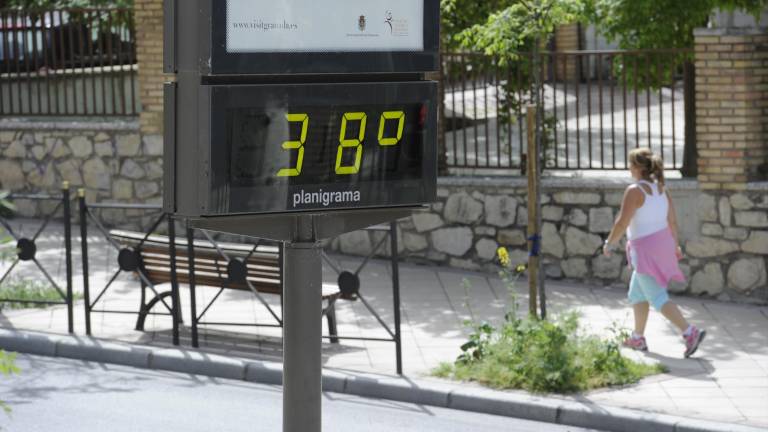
<point>339,25</point>
<point>296,37</point>
<point>323,146</point>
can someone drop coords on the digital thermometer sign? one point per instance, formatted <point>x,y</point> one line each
<point>295,106</point>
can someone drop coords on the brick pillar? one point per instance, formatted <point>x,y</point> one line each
<point>149,50</point>
<point>567,38</point>
<point>731,106</point>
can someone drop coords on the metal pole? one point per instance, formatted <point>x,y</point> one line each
<point>302,336</point>
<point>84,252</point>
<point>533,210</point>
<point>192,283</point>
<point>174,279</point>
<point>396,296</point>
<point>68,253</point>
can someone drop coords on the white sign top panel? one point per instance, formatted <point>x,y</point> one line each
<point>258,26</point>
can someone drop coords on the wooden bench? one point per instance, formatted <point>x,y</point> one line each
<point>245,267</point>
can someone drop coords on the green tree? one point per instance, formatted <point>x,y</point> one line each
<point>654,24</point>
<point>458,15</point>
<point>520,25</point>
<point>62,4</point>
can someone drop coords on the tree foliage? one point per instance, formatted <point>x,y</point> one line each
<point>64,4</point>
<point>459,15</point>
<point>654,24</point>
<point>516,24</point>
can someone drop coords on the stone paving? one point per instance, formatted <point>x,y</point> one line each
<point>726,381</point>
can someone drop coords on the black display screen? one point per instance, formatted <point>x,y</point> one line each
<point>326,145</point>
<point>323,146</point>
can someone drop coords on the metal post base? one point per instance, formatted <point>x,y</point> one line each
<point>302,334</point>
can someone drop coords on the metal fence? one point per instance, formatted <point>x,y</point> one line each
<point>598,106</point>
<point>68,62</point>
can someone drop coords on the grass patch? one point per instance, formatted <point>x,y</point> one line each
<point>541,356</point>
<point>32,291</point>
<point>544,356</point>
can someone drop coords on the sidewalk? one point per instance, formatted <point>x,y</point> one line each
<point>727,380</point>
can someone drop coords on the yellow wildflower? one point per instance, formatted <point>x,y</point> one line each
<point>503,255</point>
<point>521,268</point>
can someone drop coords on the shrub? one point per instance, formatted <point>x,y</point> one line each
<point>7,367</point>
<point>542,356</point>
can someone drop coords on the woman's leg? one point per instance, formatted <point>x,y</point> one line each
<point>641,317</point>
<point>673,314</point>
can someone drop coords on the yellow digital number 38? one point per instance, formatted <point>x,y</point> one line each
<point>296,145</point>
<point>356,143</point>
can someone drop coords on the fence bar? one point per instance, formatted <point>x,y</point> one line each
<point>660,74</point>
<point>68,253</point>
<point>673,86</point>
<point>577,85</point>
<point>475,125</point>
<point>111,55</point>
<point>121,63</point>
<point>624,64</point>
<point>84,251</point>
<point>647,79</point>
<point>5,50</point>
<point>132,61</point>
<point>553,68</point>
<point>611,72</point>
<point>101,48</point>
<point>565,108</point>
<point>464,105</point>
<point>485,105</point>
<point>600,107</point>
<point>63,63</point>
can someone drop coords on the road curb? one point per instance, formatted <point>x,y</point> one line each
<point>401,389</point>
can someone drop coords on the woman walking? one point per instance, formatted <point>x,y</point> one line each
<point>648,217</point>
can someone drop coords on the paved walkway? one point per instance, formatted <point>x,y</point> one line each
<point>726,381</point>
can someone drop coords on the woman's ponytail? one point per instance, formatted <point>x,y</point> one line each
<point>657,169</point>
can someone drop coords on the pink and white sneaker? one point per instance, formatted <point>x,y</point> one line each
<point>693,340</point>
<point>636,343</point>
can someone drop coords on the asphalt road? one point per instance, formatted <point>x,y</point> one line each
<point>54,394</point>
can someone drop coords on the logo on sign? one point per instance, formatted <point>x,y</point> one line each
<point>361,23</point>
<point>398,27</point>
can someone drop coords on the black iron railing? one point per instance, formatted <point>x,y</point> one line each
<point>27,249</point>
<point>598,106</point>
<point>68,62</point>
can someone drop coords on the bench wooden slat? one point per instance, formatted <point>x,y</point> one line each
<point>263,264</point>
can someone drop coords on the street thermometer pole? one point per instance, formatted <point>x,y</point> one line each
<point>302,336</point>
<point>298,121</point>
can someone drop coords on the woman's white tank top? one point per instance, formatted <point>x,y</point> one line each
<point>651,217</point>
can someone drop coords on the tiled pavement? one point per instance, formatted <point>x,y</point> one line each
<point>726,381</point>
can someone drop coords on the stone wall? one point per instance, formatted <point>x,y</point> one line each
<point>724,235</point>
<point>109,159</point>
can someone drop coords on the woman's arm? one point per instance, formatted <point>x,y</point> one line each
<point>633,199</point>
